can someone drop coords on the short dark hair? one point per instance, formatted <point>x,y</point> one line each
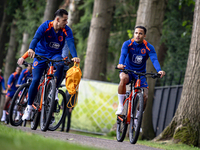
<point>60,13</point>
<point>19,67</point>
<point>142,27</point>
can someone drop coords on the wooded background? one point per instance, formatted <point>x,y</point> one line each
<point>100,27</point>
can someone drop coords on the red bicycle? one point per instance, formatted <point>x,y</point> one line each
<point>133,102</point>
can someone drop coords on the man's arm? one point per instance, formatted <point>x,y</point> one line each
<point>124,52</point>
<point>3,84</point>
<point>154,60</point>
<point>10,81</point>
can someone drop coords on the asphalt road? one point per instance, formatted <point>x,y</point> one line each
<point>88,141</point>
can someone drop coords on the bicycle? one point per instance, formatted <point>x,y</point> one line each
<point>132,101</point>
<point>59,110</point>
<point>43,105</point>
<point>19,102</point>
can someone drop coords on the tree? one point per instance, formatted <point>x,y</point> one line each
<point>185,125</point>
<point>96,57</point>
<point>50,9</point>
<point>12,50</point>
<point>74,12</point>
<point>150,14</point>
<point>8,8</point>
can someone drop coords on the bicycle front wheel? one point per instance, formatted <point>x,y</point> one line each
<point>35,117</point>
<point>59,111</point>
<point>48,105</point>
<point>18,105</point>
<point>122,124</point>
<point>136,119</point>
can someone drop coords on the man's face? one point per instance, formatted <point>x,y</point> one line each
<point>29,68</point>
<point>139,35</point>
<point>62,21</point>
<point>18,70</point>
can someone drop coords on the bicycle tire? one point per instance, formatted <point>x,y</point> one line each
<point>122,125</point>
<point>59,113</point>
<point>20,102</point>
<point>48,105</point>
<point>134,129</point>
<point>35,116</point>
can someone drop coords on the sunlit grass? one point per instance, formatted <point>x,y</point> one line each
<point>12,139</point>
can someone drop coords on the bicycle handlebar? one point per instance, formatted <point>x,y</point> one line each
<point>25,63</point>
<point>153,75</point>
<point>39,57</point>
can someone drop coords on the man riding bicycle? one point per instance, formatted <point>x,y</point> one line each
<point>48,41</point>
<point>134,54</point>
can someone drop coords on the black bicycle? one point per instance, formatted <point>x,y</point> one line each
<point>44,107</point>
<point>133,102</point>
<point>19,102</point>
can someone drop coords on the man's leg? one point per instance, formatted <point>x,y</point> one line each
<point>5,108</point>
<point>124,79</point>
<point>32,92</point>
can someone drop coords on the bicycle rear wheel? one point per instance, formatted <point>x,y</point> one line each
<point>48,105</point>
<point>35,116</point>
<point>18,104</point>
<point>136,120</point>
<point>121,123</point>
<point>59,111</point>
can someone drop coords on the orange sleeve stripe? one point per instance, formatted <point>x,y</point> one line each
<point>25,55</point>
<point>145,43</point>
<point>63,29</point>
<point>49,26</point>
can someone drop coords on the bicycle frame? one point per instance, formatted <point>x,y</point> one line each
<point>131,97</point>
<point>48,76</point>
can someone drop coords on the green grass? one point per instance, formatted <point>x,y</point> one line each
<point>10,138</point>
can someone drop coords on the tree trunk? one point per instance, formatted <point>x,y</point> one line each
<point>50,9</point>
<point>12,50</point>
<point>96,55</point>
<point>150,14</point>
<point>4,36</point>
<point>74,15</point>
<point>25,43</point>
<point>185,126</point>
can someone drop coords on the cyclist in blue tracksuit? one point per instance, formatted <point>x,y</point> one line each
<point>48,41</point>
<point>11,84</point>
<point>25,74</point>
<point>134,54</point>
<point>2,83</point>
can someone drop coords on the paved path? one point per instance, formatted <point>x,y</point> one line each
<point>88,141</point>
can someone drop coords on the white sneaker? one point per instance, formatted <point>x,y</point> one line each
<point>3,118</point>
<point>27,114</point>
<point>119,110</point>
<point>18,116</point>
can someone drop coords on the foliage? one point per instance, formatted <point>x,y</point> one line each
<point>81,30</point>
<point>124,19</point>
<point>176,35</point>
<point>29,17</point>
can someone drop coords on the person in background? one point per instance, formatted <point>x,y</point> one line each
<point>11,84</point>
<point>2,82</point>
<point>26,73</point>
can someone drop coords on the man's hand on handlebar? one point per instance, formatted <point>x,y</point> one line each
<point>120,66</point>
<point>162,73</point>
<point>76,59</point>
<point>20,61</point>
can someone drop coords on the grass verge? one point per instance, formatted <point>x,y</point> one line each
<point>11,138</point>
